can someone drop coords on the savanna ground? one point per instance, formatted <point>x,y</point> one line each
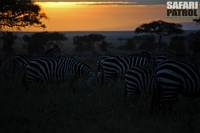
<point>54,108</point>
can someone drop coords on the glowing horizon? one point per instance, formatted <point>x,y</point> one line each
<point>98,16</point>
<point>61,4</point>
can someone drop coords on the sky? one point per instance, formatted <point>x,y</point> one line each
<point>134,1</point>
<point>123,16</point>
<point>137,1</point>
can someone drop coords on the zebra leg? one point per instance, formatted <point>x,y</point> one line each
<point>168,97</point>
<point>132,96</point>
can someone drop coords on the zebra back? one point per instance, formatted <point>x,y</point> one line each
<point>58,69</point>
<point>139,80</point>
<point>119,65</point>
<point>174,77</point>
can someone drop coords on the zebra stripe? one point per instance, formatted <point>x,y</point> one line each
<point>175,78</point>
<point>116,67</point>
<point>21,61</point>
<point>139,80</point>
<point>55,69</point>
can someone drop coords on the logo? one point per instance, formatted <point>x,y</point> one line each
<point>182,8</point>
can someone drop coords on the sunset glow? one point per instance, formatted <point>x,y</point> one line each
<point>56,4</point>
<point>99,16</point>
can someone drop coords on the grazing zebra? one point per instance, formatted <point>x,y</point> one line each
<point>20,62</point>
<point>139,80</point>
<point>116,67</point>
<point>99,62</point>
<point>56,69</point>
<point>175,78</point>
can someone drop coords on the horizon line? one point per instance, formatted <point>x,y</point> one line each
<point>86,31</point>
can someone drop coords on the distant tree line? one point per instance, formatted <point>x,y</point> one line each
<point>44,43</point>
<point>152,35</point>
<point>90,42</point>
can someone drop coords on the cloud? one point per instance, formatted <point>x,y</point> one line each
<point>114,1</point>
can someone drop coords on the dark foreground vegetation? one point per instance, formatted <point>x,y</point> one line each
<point>54,108</point>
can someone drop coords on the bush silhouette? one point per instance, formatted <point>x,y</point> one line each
<point>88,42</point>
<point>40,43</point>
<point>177,44</point>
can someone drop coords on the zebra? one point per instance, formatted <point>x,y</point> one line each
<point>174,78</point>
<point>139,80</point>
<point>21,61</point>
<point>46,69</point>
<point>99,62</point>
<point>115,67</point>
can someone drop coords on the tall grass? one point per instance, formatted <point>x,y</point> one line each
<point>96,109</point>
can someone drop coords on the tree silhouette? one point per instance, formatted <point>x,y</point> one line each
<point>87,42</point>
<point>194,39</point>
<point>142,42</point>
<point>20,13</point>
<point>8,41</point>
<point>40,43</point>
<point>160,28</point>
<point>177,45</point>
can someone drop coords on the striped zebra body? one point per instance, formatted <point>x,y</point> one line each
<point>116,67</point>
<point>21,61</point>
<point>100,60</point>
<point>55,69</point>
<point>99,63</point>
<point>175,78</point>
<point>139,80</point>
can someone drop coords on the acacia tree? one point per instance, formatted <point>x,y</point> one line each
<point>15,14</point>
<point>160,28</point>
<point>20,13</point>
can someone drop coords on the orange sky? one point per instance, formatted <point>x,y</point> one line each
<point>65,16</point>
